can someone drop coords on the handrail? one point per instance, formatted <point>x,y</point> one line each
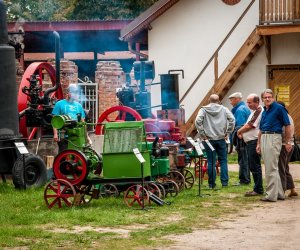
<point>217,50</point>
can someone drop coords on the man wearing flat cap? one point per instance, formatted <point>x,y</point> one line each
<point>241,113</point>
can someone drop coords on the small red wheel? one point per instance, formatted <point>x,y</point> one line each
<point>59,192</point>
<point>136,195</point>
<point>154,189</point>
<point>70,165</point>
<point>121,114</point>
<point>37,68</point>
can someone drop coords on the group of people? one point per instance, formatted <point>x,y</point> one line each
<point>255,131</point>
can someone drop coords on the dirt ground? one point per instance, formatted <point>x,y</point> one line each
<point>268,226</point>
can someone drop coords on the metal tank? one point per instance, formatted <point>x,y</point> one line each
<point>26,169</point>
<point>9,125</point>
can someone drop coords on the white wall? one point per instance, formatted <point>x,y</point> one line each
<point>186,36</point>
<point>286,49</point>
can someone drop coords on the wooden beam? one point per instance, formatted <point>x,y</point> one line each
<point>216,67</point>
<point>267,40</point>
<point>274,29</point>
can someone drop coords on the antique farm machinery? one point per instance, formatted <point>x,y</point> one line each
<point>82,175</point>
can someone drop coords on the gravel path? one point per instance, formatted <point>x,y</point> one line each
<point>270,226</point>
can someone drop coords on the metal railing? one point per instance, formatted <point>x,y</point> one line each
<point>89,98</point>
<point>279,11</point>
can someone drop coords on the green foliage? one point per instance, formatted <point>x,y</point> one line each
<point>57,10</point>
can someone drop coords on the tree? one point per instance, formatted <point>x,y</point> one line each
<point>57,10</point>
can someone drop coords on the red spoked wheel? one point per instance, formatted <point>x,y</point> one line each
<point>59,192</point>
<point>70,165</point>
<point>37,68</point>
<point>116,113</point>
<point>136,195</point>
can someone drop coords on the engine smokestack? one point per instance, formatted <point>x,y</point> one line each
<point>3,26</point>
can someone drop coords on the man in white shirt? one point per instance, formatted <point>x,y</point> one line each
<point>249,133</point>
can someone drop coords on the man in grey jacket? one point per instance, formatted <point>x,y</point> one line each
<point>214,122</point>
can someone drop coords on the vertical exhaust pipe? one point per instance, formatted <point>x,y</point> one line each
<point>57,66</point>
<point>3,26</point>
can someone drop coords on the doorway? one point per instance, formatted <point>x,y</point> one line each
<point>284,80</point>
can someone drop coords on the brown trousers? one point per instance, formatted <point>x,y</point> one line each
<point>284,169</point>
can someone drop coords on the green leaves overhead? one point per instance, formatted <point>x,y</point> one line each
<point>60,10</point>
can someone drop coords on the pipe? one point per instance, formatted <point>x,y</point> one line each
<point>136,52</point>
<point>57,66</point>
<point>3,26</point>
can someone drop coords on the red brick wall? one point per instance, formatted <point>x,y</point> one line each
<point>109,75</point>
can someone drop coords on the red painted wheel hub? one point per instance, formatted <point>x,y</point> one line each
<point>37,68</point>
<point>70,165</point>
<point>108,116</point>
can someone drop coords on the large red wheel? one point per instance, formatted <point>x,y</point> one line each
<point>116,113</point>
<point>37,68</point>
<point>136,195</point>
<point>59,192</point>
<point>70,165</point>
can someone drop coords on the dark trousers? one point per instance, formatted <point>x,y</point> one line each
<point>284,169</point>
<point>254,164</point>
<point>62,145</point>
<point>244,173</point>
<point>220,152</point>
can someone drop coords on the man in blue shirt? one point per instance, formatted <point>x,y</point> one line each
<point>241,113</point>
<point>68,106</point>
<point>269,143</point>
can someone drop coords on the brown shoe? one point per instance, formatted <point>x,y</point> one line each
<point>251,193</point>
<point>292,193</point>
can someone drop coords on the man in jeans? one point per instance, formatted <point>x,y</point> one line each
<point>249,133</point>
<point>241,113</point>
<point>214,122</point>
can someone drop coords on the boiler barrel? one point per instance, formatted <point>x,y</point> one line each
<point>169,91</point>
<point>9,119</point>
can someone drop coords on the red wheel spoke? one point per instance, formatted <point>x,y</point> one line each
<point>53,203</point>
<point>51,195</point>
<point>131,203</point>
<point>59,203</point>
<point>69,204</point>
<point>53,188</point>
<point>123,116</point>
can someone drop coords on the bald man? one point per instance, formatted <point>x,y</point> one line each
<point>249,133</point>
<point>214,122</point>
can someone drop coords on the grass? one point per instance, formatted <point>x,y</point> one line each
<point>108,223</point>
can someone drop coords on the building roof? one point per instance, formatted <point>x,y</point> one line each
<point>34,26</point>
<point>142,22</point>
